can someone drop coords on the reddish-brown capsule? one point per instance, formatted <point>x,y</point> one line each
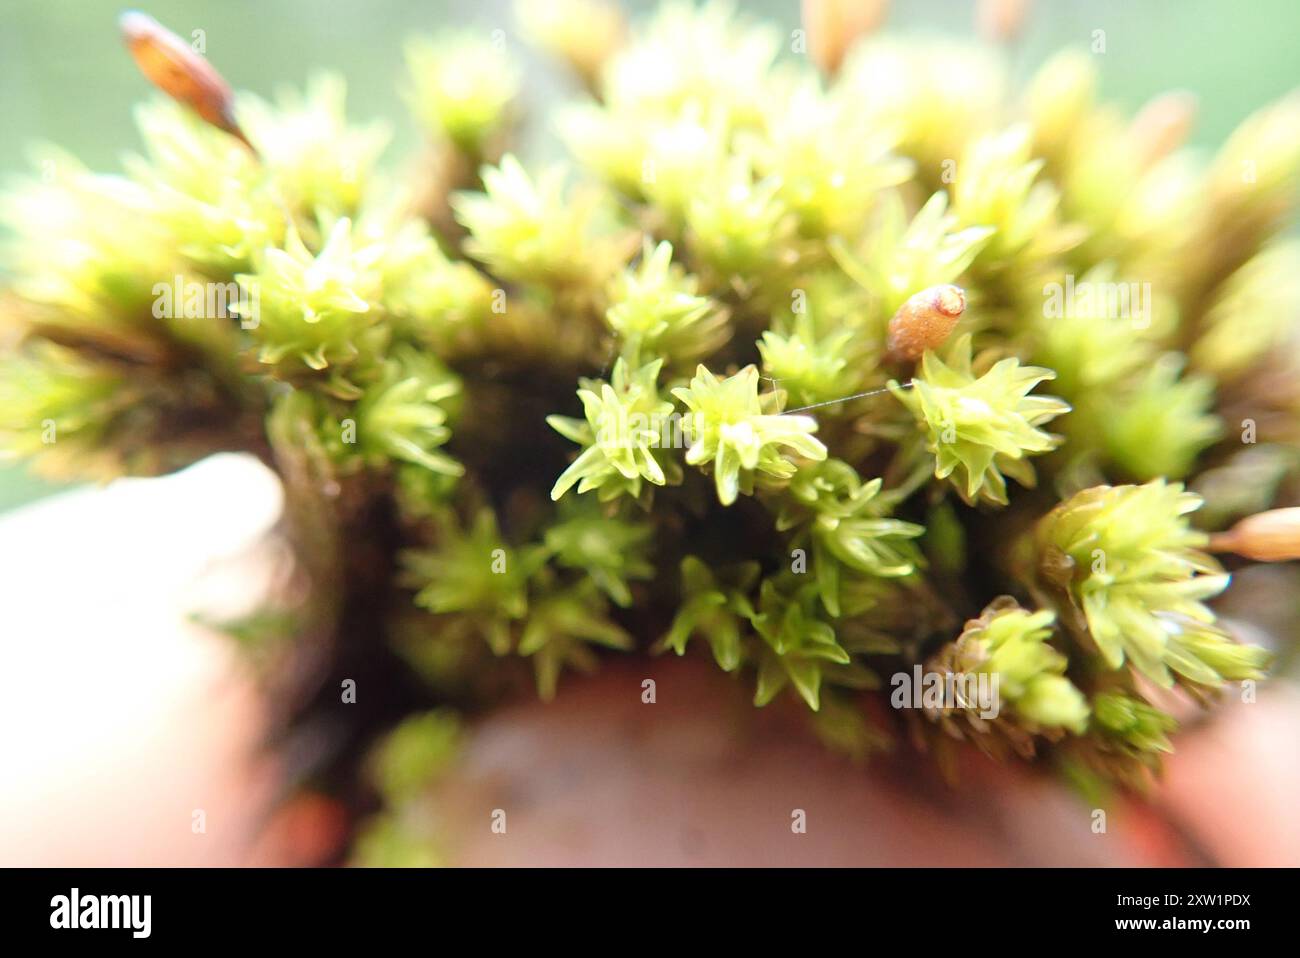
<point>172,66</point>
<point>1272,536</point>
<point>925,321</point>
<point>1001,20</point>
<point>1162,126</point>
<point>834,26</point>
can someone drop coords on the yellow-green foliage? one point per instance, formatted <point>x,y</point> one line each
<point>528,413</point>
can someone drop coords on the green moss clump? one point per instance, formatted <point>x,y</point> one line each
<point>530,419</point>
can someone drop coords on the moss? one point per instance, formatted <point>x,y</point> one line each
<point>705,308</point>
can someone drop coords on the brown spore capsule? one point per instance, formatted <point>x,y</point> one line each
<point>1162,126</point>
<point>1272,536</point>
<point>834,26</point>
<point>1001,21</point>
<point>925,321</point>
<point>172,66</point>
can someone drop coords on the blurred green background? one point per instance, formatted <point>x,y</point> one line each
<point>65,78</point>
